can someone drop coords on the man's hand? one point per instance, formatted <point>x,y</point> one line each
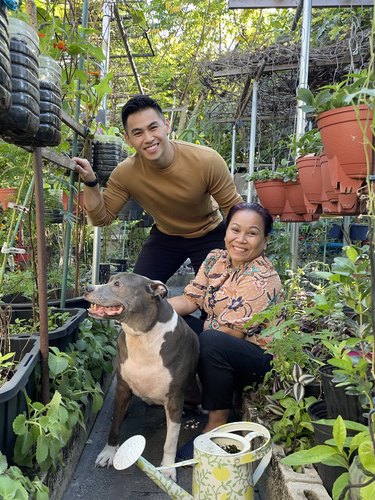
<point>84,169</point>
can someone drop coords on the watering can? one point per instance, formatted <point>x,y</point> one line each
<point>222,464</point>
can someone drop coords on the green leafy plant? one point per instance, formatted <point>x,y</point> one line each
<point>309,143</point>
<point>353,356</point>
<point>354,89</point>
<point>7,365</point>
<point>73,380</point>
<point>22,326</point>
<point>284,173</point>
<point>97,345</point>
<point>15,486</point>
<point>340,451</point>
<point>44,431</point>
<point>292,428</point>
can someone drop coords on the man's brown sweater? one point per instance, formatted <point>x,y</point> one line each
<point>184,199</point>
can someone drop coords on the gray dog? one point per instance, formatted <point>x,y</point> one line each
<point>157,354</point>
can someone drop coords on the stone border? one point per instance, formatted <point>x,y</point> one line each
<point>280,481</point>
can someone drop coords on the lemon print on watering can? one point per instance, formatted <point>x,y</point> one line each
<point>221,473</point>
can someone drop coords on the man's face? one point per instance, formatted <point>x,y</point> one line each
<point>147,132</point>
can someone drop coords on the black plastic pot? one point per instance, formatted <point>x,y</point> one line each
<point>338,402</point>
<point>358,232</point>
<point>62,336</point>
<point>12,398</point>
<point>322,433</point>
<point>5,68</point>
<point>120,265</point>
<point>133,211</point>
<point>21,302</point>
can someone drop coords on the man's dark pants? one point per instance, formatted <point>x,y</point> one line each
<point>162,255</point>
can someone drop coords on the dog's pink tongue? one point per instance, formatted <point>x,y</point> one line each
<point>105,311</point>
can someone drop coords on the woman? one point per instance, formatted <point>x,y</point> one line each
<point>231,286</point>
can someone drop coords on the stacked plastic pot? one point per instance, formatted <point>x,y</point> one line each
<point>108,152</point>
<point>22,121</point>
<point>49,131</point>
<point>33,114</point>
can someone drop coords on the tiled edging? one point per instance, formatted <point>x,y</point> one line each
<point>281,482</point>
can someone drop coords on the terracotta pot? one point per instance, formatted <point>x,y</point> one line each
<point>310,177</point>
<point>337,201</point>
<point>343,132</point>
<point>65,202</point>
<point>7,195</point>
<point>272,195</point>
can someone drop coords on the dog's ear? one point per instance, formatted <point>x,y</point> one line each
<point>157,288</point>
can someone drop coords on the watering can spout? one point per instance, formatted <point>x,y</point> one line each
<point>130,452</point>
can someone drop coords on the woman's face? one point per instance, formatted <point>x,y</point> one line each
<point>244,238</point>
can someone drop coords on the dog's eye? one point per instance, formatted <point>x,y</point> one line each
<point>116,283</point>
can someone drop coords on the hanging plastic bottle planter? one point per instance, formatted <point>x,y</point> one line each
<point>49,131</point>
<point>5,69</point>
<point>22,121</point>
<point>109,151</point>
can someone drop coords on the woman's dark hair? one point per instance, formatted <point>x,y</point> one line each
<point>255,207</point>
<point>138,103</point>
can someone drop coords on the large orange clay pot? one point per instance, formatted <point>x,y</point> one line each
<point>310,177</point>
<point>7,195</point>
<point>65,202</point>
<point>272,195</point>
<point>344,132</point>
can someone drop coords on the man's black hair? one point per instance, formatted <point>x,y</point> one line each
<point>138,103</point>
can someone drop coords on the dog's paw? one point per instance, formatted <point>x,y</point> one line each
<point>105,457</point>
<point>170,473</point>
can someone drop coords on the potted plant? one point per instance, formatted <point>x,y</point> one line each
<point>344,119</point>
<point>270,188</point>
<point>18,360</point>
<point>349,360</point>
<point>309,148</point>
<point>354,454</point>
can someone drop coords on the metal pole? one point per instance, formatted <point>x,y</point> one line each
<point>233,157</point>
<point>42,273</point>
<point>301,117</point>
<point>253,125</point>
<point>68,228</point>
<point>106,37</point>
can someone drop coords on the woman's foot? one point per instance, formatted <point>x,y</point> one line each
<point>215,419</point>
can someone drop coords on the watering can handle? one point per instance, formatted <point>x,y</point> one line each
<point>262,466</point>
<point>253,434</point>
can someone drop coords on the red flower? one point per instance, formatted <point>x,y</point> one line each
<point>41,35</point>
<point>61,45</point>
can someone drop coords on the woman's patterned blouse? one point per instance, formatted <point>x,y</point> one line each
<point>232,295</point>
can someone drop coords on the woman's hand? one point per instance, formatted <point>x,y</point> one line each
<point>182,305</point>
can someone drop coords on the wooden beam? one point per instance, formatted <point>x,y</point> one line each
<point>279,67</point>
<point>56,158</point>
<point>68,120</point>
<point>282,4</point>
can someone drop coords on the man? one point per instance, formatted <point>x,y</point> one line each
<point>182,186</point>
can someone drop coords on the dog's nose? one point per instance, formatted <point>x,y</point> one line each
<point>89,288</point>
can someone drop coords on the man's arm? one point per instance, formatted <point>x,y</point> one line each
<point>221,185</point>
